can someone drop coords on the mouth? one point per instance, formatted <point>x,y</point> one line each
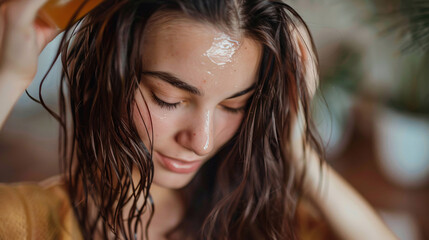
<point>178,165</point>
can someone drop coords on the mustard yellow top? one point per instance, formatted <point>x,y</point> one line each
<point>36,211</point>
<point>43,211</point>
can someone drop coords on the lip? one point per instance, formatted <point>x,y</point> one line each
<point>179,166</point>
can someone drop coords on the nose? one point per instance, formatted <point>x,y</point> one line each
<point>198,135</point>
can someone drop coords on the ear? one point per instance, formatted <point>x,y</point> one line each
<point>307,53</point>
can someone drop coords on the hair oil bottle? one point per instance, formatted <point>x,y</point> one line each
<point>59,12</point>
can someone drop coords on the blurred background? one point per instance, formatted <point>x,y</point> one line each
<point>372,108</point>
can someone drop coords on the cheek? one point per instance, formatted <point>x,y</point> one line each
<point>161,123</point>
<point>228,127</point>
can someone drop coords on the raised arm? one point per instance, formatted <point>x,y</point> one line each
<point>346,211</point>
<point>22,38</point>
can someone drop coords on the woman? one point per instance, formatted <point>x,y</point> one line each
<point>184,122</point>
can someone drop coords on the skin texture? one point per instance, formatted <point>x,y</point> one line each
<point>200,124</point>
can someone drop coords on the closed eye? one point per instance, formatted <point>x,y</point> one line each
<point>238,109</point>
<point>235,110</point>
<point>164,104</point>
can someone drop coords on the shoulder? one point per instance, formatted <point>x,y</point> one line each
<point>36,211</point>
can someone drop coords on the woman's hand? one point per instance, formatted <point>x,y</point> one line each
<point>22,38</point>
<point>309,61</point>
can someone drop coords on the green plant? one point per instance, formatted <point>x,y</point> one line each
<point>409,20</point>
<point>412,92</point>
<point>347,70</point>
<point>416,13</point>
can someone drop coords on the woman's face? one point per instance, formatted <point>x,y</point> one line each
<point>196,84</point>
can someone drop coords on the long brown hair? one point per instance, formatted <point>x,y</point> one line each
<point>247,190</point>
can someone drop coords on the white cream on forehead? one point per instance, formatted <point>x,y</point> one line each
<point>222,49</point>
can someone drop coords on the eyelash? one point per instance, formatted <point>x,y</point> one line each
<point>163,104</point>
<point>171,106</point>
<point>235,110</point>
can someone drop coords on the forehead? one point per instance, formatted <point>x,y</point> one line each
<point>201,55</point>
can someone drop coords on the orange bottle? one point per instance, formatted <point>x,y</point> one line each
<point>59,12</point>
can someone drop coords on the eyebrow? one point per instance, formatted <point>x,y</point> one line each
<point>176,82</point>
<point>243,92</point>
<point>173,80</point>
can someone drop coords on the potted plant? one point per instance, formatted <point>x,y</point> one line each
<point>402,125</point>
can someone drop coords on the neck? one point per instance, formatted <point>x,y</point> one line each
<point>167,210</point>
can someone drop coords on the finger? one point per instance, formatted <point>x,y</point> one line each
<point>45,33</point>
<point>31,9</point>
<point>25,11</point>
<point>303,44</point>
